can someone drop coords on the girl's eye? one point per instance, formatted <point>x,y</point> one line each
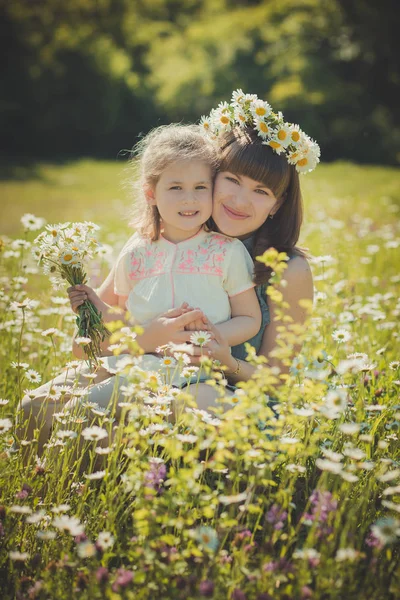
<point>175,187</point>
<point>201,187</point>
<point>262,192</point>
<point>232,179</point>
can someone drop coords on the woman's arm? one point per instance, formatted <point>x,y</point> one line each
<point>298,286</point>
<point>246,318</point>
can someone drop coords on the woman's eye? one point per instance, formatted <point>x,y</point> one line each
<point>262,192</point>
<point>233,180</point>
<point>175,187</point>
<point>201,187</point>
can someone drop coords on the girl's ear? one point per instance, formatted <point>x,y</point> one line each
<point>150,196</point>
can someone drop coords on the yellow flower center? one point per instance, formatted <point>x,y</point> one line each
<point>294,156</point>
<point>302,162</point>
<point>54,232</point>
<point>67,256</point>
<point>224,120</point>
<point>167,361</point>
<point>206,125</point>
<point>242,118</point>
<point>295,136</point>
<point>274,144</point>
<point>260,111</point>
<point>263,127</point>
<point>282,134</point>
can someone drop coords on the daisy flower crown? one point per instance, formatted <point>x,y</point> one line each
<point>247,110</point>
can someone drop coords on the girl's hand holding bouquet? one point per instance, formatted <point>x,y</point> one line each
<point>62,250</point>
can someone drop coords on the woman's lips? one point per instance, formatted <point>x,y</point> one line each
<point>234,214</point>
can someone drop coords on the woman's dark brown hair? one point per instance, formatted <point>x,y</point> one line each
<point>242,152</point>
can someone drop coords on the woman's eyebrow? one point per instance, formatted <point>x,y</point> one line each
<point>196,182</point>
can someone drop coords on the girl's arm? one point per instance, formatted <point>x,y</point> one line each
<point>299,286</point>
<point>246,318</point>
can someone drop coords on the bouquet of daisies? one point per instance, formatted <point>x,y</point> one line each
<point>61,250</point>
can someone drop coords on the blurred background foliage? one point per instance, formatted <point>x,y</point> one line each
<point>86,77</point>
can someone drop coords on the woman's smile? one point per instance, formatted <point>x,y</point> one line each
<point>233,213</point>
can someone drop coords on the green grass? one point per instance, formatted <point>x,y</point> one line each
<point>307,508</point>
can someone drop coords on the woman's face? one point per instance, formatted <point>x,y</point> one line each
<point>240,204</point>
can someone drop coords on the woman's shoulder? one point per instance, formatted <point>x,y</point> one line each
<point>298,273</point>
<point>135,242</point>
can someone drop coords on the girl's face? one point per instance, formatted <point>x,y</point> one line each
<point>241,205</point>
<point>183,196</point>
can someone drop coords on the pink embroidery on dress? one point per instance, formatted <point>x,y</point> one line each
<point>207,258</point>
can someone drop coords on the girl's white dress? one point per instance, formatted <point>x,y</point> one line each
<point>204,270</point>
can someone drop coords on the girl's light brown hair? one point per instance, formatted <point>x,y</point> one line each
<point>152,155</point>
<point>242,152</point>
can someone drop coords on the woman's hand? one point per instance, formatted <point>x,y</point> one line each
<point>78,294</point>
<point>217,349</point>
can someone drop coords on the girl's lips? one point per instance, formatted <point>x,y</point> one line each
<point>233,214</point>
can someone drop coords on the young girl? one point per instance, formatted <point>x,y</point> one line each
<point>173,258</point>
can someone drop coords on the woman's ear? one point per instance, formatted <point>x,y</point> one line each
<point>149,194</point>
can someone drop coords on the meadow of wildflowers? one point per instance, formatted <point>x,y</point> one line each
<point>297,498</point>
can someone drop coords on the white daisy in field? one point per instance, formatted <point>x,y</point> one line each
<point>32,223</point>
<point>344,554</point>
<point>189,372</point>
<point>36,517</point>
<point>394,365</point>
<point>50,332</point>
<point>86,549</point>
<point>349,428</point>
<point>5,425</point>
<point>18,556</point>
<point>335,456</point>
<point>21,510</point>
<point>46,535</point>
<point>53,393</point>
<point>3,401</point>
<point>260,109</point>
<point>100,450</point>
<point>391,505</point>
<point>94,433</point>
<point>187,438</point>
<point>354,453</point>
<point>71,525</point>
<point>83,341</point>
<point>387,530</point>
<point>168,361</point>
<point>350,477</point>
<point>61,508</point>
<point>200,338</point>
<point>389,475</point>
<point>105,540</point>
<point>96,475</point>
<point>341,336</point>
<point>33,376</point>
<point>235,499</point>
<point>329,465</point>
<point>66,434</point>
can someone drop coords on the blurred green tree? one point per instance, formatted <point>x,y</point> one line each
<point>87,76</point>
